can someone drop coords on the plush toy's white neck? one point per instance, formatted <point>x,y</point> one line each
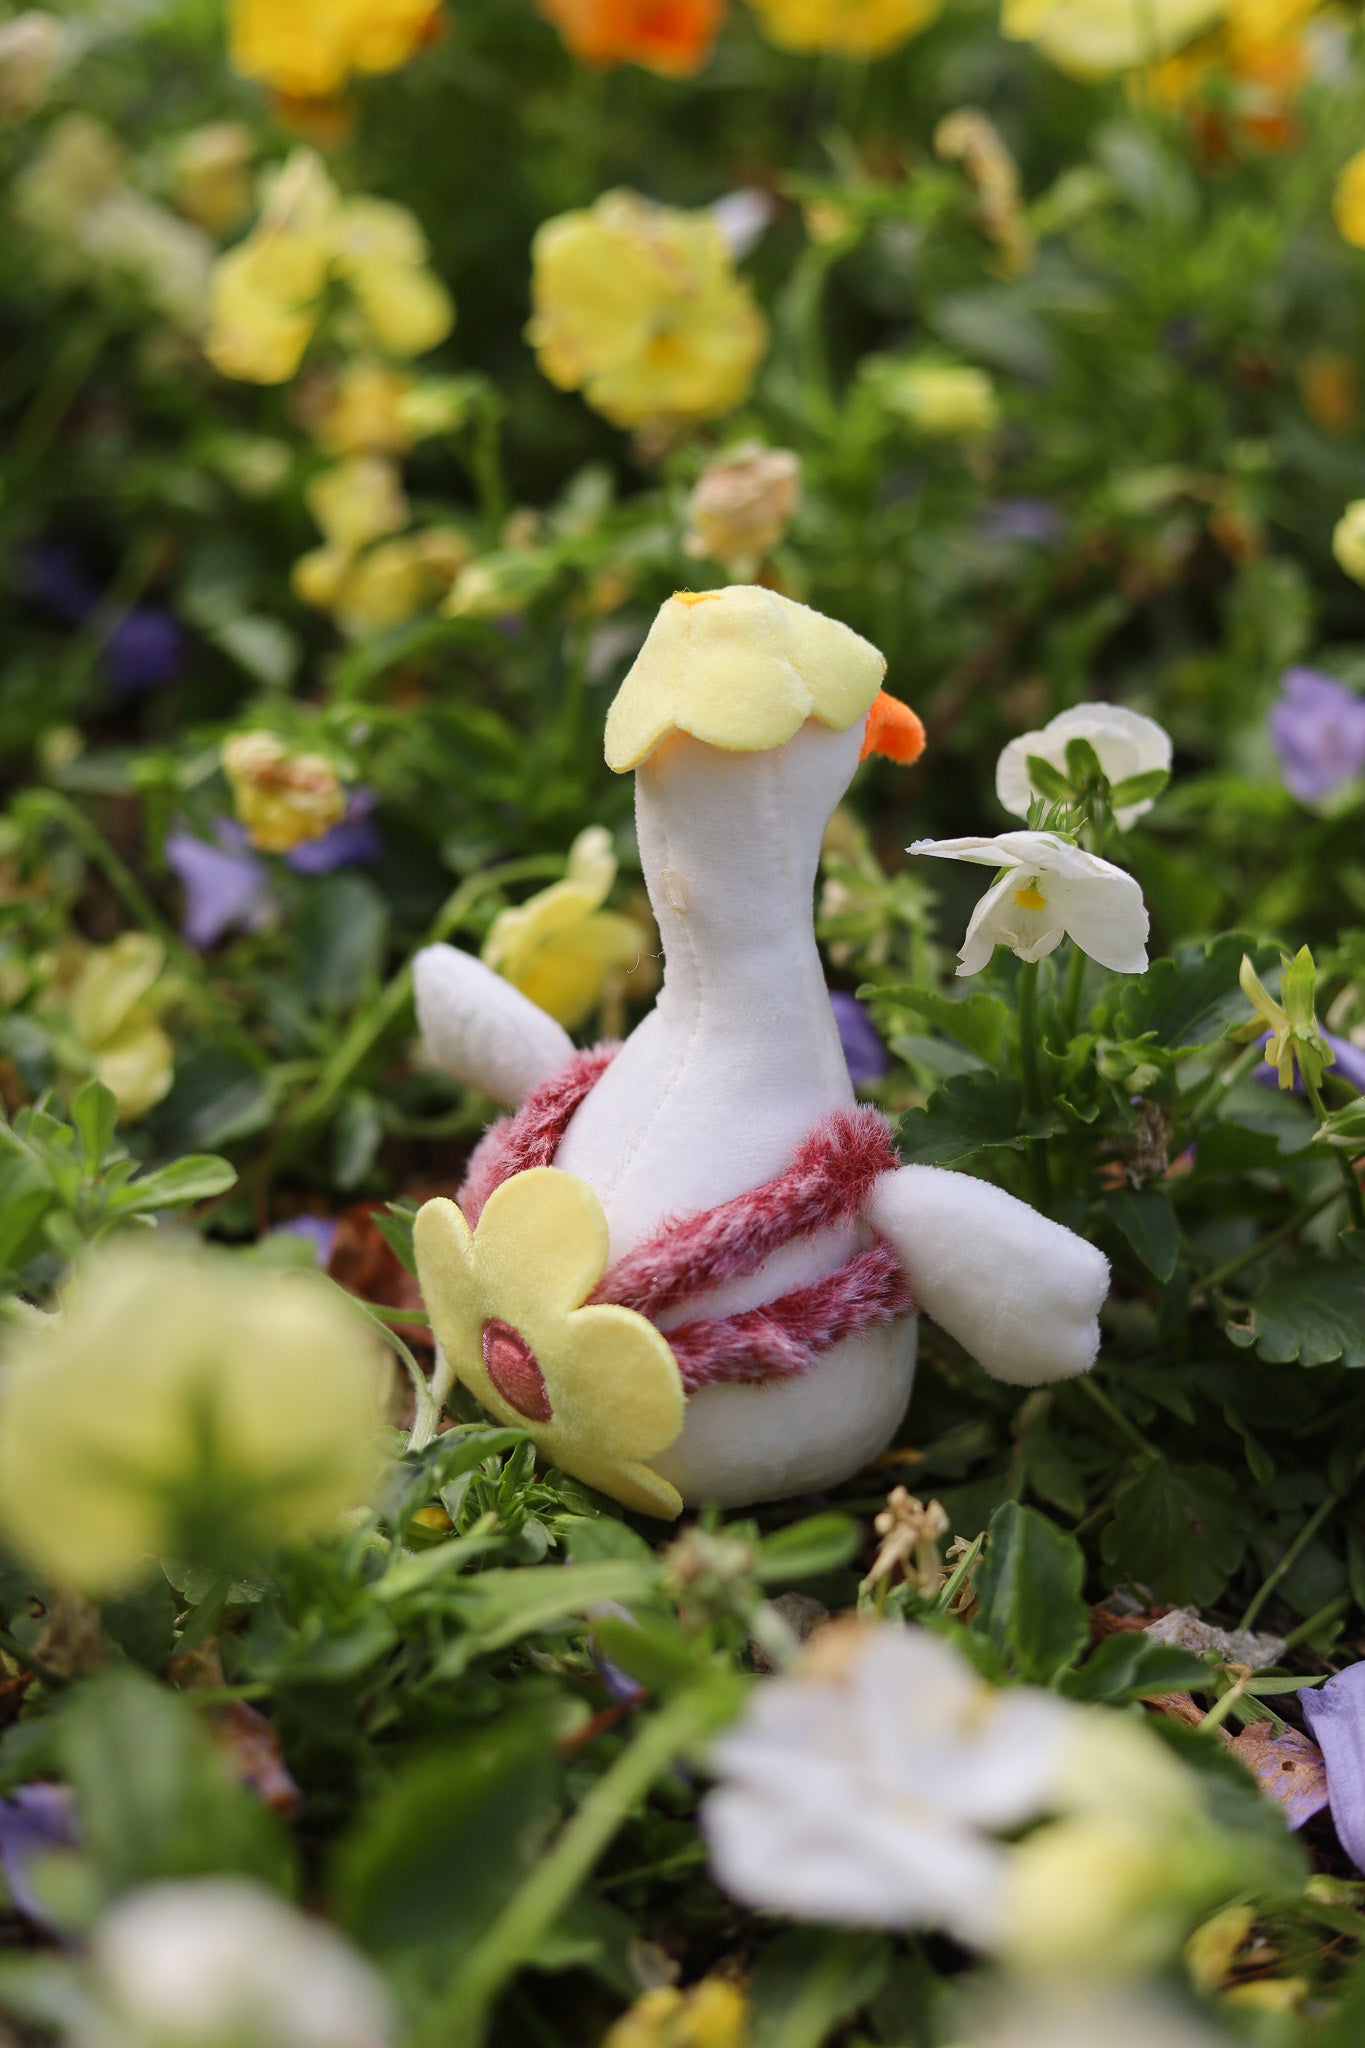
<point>741,1055</point>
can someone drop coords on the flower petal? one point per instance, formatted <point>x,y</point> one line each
<point>617,1382</point>
<point>540,1249</point>
<point>1335,1714</point>
<point>1106,917</point>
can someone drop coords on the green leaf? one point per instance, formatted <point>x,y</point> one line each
<point>1030,1589</point>
<point>499,1607</point>
<point>969,1114</point>
<point>339,941</point>
<point>1082,762</point>
<point>810,1980</point>
<point>437,1854</point>
<point>155,1798</point>
<point>1312,1313</point>
<point>1129,1666</point>
<point>1147,1219</point>
<point>394,1224</point>
<point>1139,789</point>
<point>1180,1531</point>
<point>1189,999</point>
<point>195,1179</point>
<point>653,1649</point>
<point>980,1021</point>
<point>94,1112</point>
<point>803,1549</point>
<point>1048,780</point>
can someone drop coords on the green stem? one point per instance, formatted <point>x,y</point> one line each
<point>1290,1558</point>
<point>371,1023</point>
<point>456,2020</point>
<point>1355,1198</point>
<point>1075,979</point>
<point>1117,1416</point>
<point>1218,1083</point>
<point>1291,1225</point>
<point>1327,1612</point>
<point>1030,1079</point>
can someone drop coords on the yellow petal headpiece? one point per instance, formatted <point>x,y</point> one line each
<point>741,669</point>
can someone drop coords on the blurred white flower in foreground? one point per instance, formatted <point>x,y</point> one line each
<point>212,1960</point>
<point>1052,890</point>
<point>1125,744</point>
<point>1084,2020</point>
<point>868,1785</point>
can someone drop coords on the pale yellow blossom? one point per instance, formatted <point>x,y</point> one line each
<point>852,28</point>
<point>308,48</point>
<point>112,1010</point>
<point>1096,38</point>
<point>32,49</point>
<point>941,401</point>
<point>284,799</point>
<point>560,947</point>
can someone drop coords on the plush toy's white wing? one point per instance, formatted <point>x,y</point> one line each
<point>1015,1289</point>
<point>479,1028</point>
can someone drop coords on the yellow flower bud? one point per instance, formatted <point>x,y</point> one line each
<point>942,401</point>
<point>112,1009</point>
<point>210,174</point>
<point>1348,540</point>
<point>853,28</point>
<point>182,1403</point>
<point>1348,201</point>
<point>358,501</point>
<point>742,504</point>
<point>283,799</point>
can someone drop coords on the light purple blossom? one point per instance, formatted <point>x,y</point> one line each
<point>1348,1064</point>
<point>1022,519</point>
<point>227,884</point>
<point>1335,1714</point>
<point>320,1231</point>
<point>1318,728</point>
<point>226,887</point>
<point>35,1820</point>
<point>863,1049</point>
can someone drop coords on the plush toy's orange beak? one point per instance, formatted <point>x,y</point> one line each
<point>893,730</point>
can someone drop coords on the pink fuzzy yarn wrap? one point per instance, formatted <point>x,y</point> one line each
<point>827,1183</point>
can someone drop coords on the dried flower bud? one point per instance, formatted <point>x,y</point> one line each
<point>742,505</point>
<point>283,799</point>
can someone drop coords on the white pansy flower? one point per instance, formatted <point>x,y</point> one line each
<point>1052,890</point>
<point>1125,744</point>
<point>869,1785</point>
<point>209,1960</point>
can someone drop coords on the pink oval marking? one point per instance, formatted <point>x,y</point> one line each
<point>512,1366</point>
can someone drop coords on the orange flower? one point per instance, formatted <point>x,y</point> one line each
<point>672,37</point>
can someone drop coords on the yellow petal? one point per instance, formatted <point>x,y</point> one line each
<point>444,1248</point>
<point>540,1248</point>
<point>408,311</point>
<point>618,1383</point>
<point>137,1064</point>
<point>111,981</point>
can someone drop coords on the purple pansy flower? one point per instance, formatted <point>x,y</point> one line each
<point>1348,1064</point>
<point>1335,1714</point>
<point>227,884</point>
<point>35,1820</point>
<point>863,1050</point>
<point>1318,728</point>
<point>320,1232</point>
<point>226,887</point>
<point>146,646</point>
<point>1022,519</point>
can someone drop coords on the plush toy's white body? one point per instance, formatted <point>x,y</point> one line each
<point>714,1091</point>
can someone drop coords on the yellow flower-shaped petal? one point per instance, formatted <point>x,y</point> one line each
<point>741,669</point>
<point>598,1388</point>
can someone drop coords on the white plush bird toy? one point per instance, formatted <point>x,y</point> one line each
<point>691,1265</point>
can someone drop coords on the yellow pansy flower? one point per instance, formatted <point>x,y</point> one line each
<point>638,306</point>
<point>1348,201</point>
<point>308,48</point>
<point>357,501</point>
<point>111,1014</point>
<point>597,1387</point>
<point>560,946</point>
<point>177,1396</point>
<point>283,799</point>
<point>365,411</point>
<point>712,2014</point>
<point>853,28</point>
<point>268,292</point>
<point>1096,38</point>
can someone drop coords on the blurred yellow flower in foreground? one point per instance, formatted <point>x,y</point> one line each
<point>560,946</point>
<point>113,1014</point>
<point>853,28</point>
<point>268,292</point>
<point>638,306</point>
<point>182,1403</point>
<point>1095,38</point>
<point>308,48</point>
<point>712,2014</point>
<point>210,174</point>
<point>284,799</point>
